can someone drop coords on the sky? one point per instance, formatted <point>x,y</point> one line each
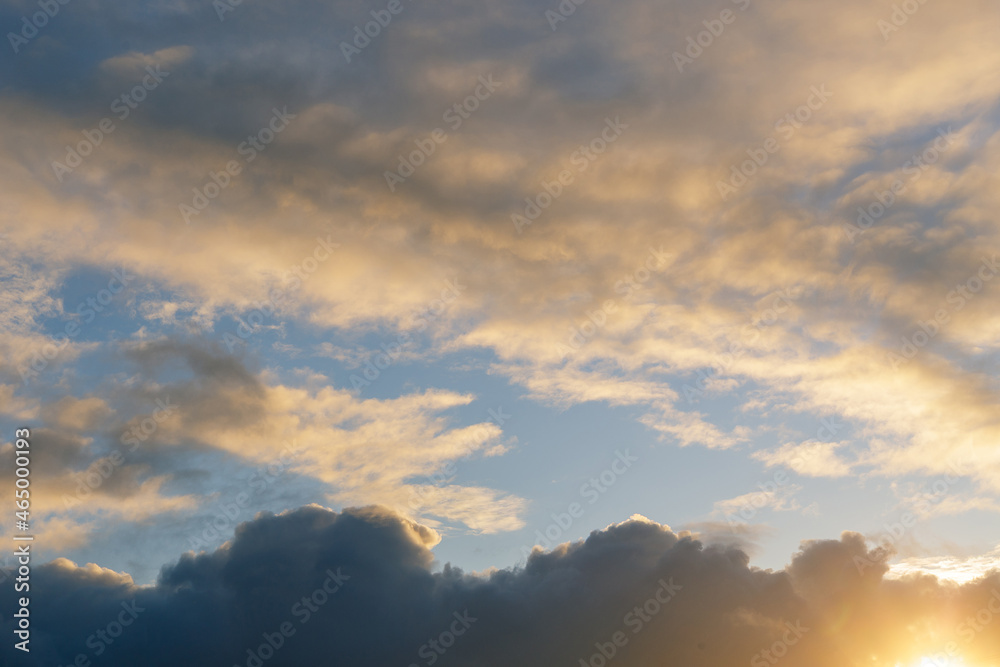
<point>541,308</point>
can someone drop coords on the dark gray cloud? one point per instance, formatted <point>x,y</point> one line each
<point>673,600</point>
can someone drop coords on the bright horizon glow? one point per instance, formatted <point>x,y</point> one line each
<point>950,568</point>
<point>940,661</point>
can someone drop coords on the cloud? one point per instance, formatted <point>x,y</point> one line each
<point>569,311</point>
<point>366,450</point>
<point>324,176</point>
<point>76,414</point>
<point>810,459</point>
<point>361,585</point>
<point>779,499</point>
<point>134,63</point>
<point>191,423</point>
<point>747,537</point>
<point>953,568</point>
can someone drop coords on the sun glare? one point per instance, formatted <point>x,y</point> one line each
<point>939,660</point>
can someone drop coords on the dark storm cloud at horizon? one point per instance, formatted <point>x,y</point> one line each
<point>670,597</point>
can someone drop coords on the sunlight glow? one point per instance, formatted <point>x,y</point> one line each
<point>939,660</point>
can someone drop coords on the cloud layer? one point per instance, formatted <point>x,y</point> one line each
<point>742,216</point>
<point>359,587</point>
